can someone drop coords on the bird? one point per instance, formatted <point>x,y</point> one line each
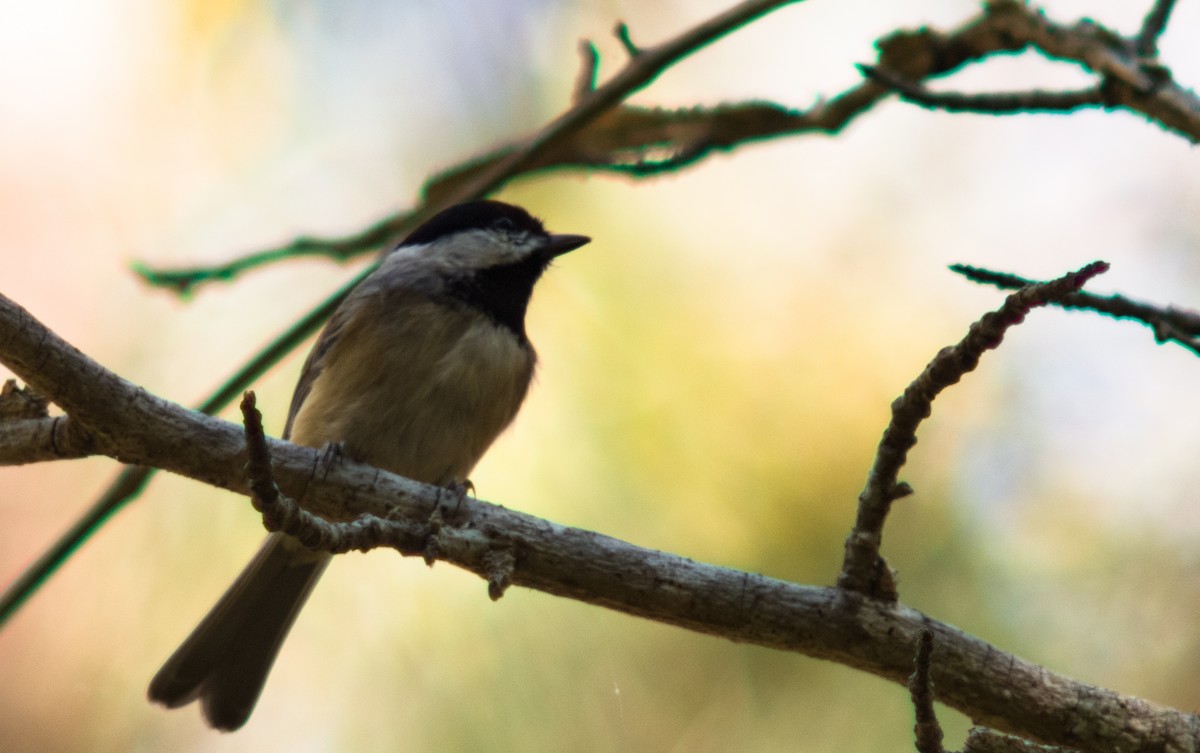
<point>418,370</point>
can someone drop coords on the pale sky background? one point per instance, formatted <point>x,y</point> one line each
<point>716,367</point>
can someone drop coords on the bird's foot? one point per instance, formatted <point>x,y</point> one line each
<point>332,455</point>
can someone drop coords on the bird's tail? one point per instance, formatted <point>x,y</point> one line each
<point>225,661</point>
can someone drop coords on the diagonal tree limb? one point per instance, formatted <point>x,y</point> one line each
<point>876,636</point>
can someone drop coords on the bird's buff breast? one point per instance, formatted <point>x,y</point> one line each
<point>424,401</point>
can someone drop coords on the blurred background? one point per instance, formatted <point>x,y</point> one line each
<point>716,367</point>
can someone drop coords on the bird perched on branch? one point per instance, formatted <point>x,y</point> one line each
<point>419,369</point>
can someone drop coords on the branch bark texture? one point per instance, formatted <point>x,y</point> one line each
<point>992,687</point>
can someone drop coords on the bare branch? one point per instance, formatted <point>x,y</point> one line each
<point>21,403</point>
<point>920,688</point>
<point>621,32</point>
<point>863,569</point>
<point>185,280</point>
<point>589,68</point>
<point>1169,324</point>
<point>1153,26</point>
<point>991,686</point>
<point>1127,79</point>
<point>36,440</point>
<point>263,491</point>
<point>29,435</point>
<point>639,71</point>
<point>992,103</point>
<point>640,142</point>
<point>281,513</point>
<point>132,480</point>
<point>984,740</point>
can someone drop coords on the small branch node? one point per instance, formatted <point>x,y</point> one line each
<point>433,544</point>
<point>18,403</point>
<point>499,566</point>
<point>883,584</point>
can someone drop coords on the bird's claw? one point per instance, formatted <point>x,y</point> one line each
<point>451,507</point>
<point>332,454</point>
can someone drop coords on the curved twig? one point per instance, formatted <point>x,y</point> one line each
<point>863,569</point>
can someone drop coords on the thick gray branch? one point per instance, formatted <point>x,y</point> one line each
<point>991,686</point>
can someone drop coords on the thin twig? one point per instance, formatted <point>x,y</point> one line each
<point>589,68</point>
<point>283,514</point>
<point>1153,26</point>
<point>185,280</point>
<point>638,72</point>
<point>263,491</point>
<point>1127,79</point>
<point>1169,324</point>
<point>863,569</point>
<point>985,740</point>
<point>622,142</point>
<point>928,731</point>
<point>623,35</point>
<point>991,103</point>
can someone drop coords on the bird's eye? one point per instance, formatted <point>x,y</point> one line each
<point>504,225</point>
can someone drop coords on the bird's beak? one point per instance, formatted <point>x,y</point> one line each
<point>560,244</point>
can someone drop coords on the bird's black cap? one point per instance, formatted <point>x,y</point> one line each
<point>475,215</point>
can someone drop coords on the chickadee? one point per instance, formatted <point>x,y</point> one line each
<point>418,370</point>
